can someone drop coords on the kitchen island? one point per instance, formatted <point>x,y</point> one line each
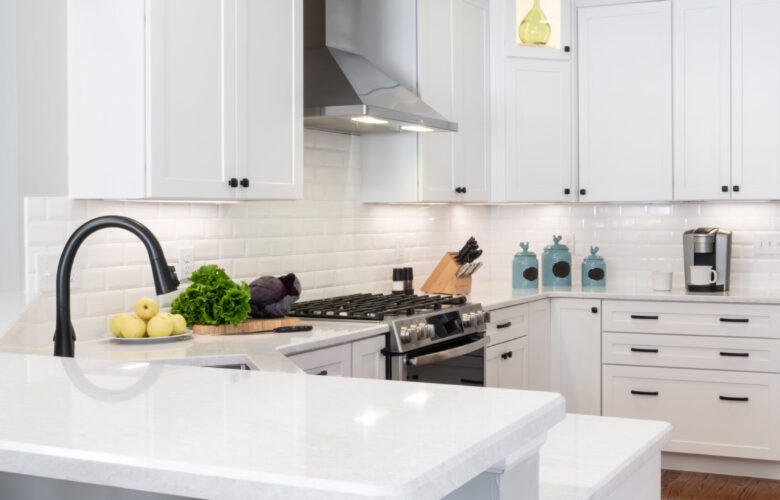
<point>207,433</point>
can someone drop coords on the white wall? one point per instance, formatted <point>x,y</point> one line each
<point>10,278</point>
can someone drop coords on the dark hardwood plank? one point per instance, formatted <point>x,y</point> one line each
<point>681,485</point>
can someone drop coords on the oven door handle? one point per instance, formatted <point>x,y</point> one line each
<point>455,352</point>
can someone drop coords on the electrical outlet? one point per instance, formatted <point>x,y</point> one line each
<point>186,262</point>
<point>766,244</point>
<point>46,272</point>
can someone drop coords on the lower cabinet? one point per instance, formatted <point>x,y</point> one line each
<point>725,413</point>
<point>362,359</point>
<point>575,353</point>
<point>506,364</point>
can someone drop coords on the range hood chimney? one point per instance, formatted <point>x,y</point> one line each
<point>344,92</point>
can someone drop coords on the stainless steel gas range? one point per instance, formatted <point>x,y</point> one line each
<point>433,338</point>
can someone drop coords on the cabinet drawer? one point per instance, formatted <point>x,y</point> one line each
<point>331,361</point>
<point>689,351</point>
<point>689,318</point>
<point>507,324</point>
<point>731,414</point>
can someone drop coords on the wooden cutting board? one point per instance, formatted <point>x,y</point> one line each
<point>248,326</point>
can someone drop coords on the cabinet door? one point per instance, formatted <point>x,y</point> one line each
<point>332,361</point>
<point>538,130</point>
<point>575,353</point>
<point>506,365</point>
<point>539,345</point>
<point>454,78</point>
<point>269,65</point>
<point>367,358</point>
<point>756,99</point>
<point>702,99</point>
<point>625,106</point>
<point>191,99</point>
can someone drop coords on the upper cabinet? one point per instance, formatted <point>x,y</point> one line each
<point>537,28</point>
<point>755,48</point>
<point>451,73</point>
<point>702,99</point>
<point>625,102</point>
<point>185,99</point>
<point>454,79</point>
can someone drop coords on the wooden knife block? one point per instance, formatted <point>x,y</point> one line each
<point>443,280</point>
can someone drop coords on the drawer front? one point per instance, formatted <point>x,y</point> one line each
<point>691,318</point>
<point>507,324</point>
<point>688,351</point>
<point>731,414</point>
<point>331,361</point>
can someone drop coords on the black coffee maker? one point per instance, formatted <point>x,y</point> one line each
<point>708,246</point>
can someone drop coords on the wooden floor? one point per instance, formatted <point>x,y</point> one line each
<point>679,485</point>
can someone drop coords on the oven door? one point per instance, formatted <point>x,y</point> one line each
<point>460,362</point>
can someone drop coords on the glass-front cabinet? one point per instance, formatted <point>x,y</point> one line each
<point>538,28</point>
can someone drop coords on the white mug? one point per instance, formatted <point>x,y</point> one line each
<point>662,280</point>
<point>703,275</point>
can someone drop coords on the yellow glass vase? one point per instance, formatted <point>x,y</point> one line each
<point>535,29</point>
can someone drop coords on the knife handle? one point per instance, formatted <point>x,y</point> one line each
<point>299,328</point>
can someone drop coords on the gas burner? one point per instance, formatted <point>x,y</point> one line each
<point>374,307</point>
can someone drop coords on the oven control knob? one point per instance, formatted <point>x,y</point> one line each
<point>430,331</point>
<point>466,318</point>
<point>422,331</point>
<point>481,317</point>
<point>405,335</point>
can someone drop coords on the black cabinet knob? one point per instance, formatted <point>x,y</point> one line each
<point>460,189</point>
<point>583,191</point>
<point>567,48</point>
<point>245,182</point>
<point>463,190</point>
<point>594,310</point>
<point>567,191</point>
<point>735,188</point>
<point>233,182</point>
<point>725,189</point>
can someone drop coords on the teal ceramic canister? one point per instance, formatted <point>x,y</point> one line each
<point>594,270</point>
<point>525,269</point>
<point>556,264</point>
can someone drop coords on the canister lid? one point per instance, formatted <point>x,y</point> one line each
<point>593,257</point>
<point>524,245</point>
<point>556,244</point>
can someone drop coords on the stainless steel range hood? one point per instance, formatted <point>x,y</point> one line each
<point>344,92</point>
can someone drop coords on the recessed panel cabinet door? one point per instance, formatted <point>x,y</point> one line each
<point>625,108</point>
<point>270,98</point>
<point>756,99</point>
<point>538,130</point>
<point>702,99</point>
<point>191,98</point>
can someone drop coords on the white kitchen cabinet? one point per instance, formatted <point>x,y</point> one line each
<point>702,99</point>
<point>172,99</point>
<point>506,364</point>
<point>539,345</point>
<point>454,79</point>
<point>333,361</point>
<point>625,102</point>
<point>538,130</point>
<point>575,353</point>
<point>367,358</point>
<point>722,413</point>
<point>755,48</point>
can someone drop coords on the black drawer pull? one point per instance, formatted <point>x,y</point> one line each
<point>504,325</point>
<point>730,398</point>
<point>506,355</point>
<point>642,316</point>
<point>640,349</point>
<point>645,393</point>
<point>734,320</point>
<point>735,354</point>
<point>323,372</point>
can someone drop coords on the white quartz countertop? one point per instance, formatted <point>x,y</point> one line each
<point>229,434</point>
<point>497,297</point>
<point>587,457</point>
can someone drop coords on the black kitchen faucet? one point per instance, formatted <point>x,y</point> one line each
<point>165,279</point>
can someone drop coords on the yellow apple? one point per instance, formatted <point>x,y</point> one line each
<point>146,308</point>
<point>116,323</point>
<point>160,326</point>
<point>133,328</point>
<point>179,324</point>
